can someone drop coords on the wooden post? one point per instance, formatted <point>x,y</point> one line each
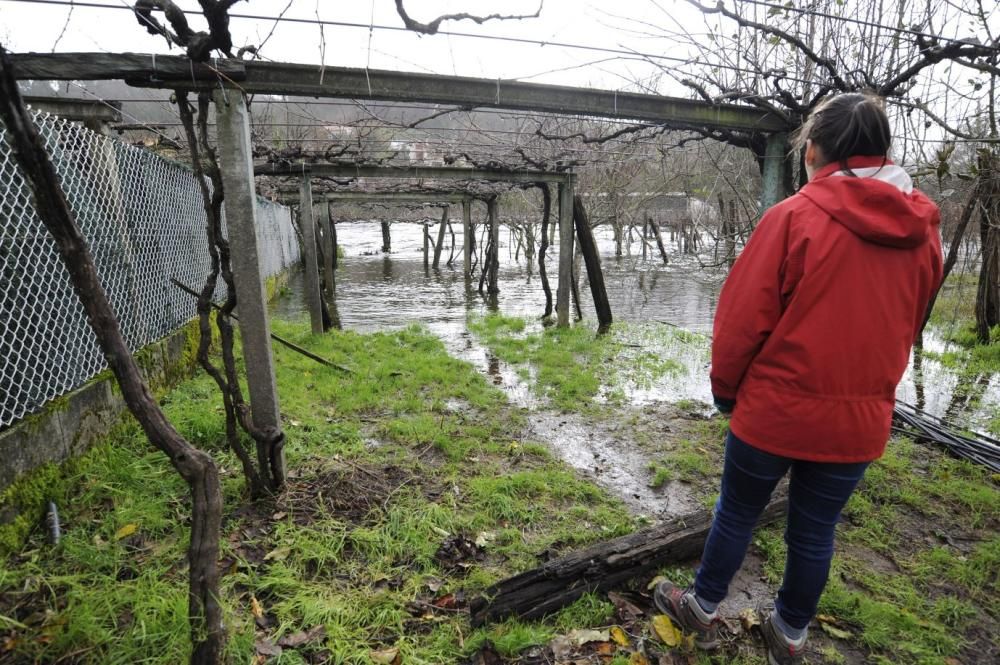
<point>440,242</point>
<point>329,249</point>
<point>645,238</point>
<point>565,252</point>
<point>493,286</point>
<point>236,167</point>
<point>659,238</point>
<point>467,237</point>
<point>386,237</point>
<point>427,243</point>
<point>314,301</point>
<point>593,260</point>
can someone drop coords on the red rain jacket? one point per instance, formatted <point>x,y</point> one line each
<point>816,320</point>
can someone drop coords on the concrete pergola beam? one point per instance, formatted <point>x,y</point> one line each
<point>92,113</point>
<point>278,78</point>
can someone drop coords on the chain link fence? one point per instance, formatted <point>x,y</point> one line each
<point>145,222</point>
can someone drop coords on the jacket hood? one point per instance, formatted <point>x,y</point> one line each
<point>877,203</point>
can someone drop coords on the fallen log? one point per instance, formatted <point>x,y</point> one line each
<point>603,566</point>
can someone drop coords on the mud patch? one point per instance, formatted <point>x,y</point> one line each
<point>605,453</point>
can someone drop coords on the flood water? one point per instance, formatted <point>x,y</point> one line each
<point>375,291</point>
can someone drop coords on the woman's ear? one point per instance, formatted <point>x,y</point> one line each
<point>810,156</point>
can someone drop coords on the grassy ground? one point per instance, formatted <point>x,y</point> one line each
<point>398,470</point>
<point>916,577</point>
<point>413,487</point>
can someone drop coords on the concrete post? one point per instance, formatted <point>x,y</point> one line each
<point>565,252</point>
<point>773,175</point>
<point>467,236</point>
<point>313,298</point>
<point>440,243</point>
<point>329,249</point>
<point>236,167</point>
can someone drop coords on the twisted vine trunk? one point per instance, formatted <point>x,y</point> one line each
<point>988,292</point>
<point>544,246</point>
<point>196,468</point>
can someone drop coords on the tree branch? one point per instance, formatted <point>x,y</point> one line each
<point>432,27</point>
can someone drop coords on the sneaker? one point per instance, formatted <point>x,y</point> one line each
<point>780,649</point>
<point>680,605</point>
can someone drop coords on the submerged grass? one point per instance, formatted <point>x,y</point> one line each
<point>572,367</point>
<point>409,418</point>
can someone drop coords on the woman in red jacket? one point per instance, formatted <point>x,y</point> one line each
<point>812,334</point>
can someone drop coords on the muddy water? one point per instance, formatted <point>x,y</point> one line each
<point>379,292</point>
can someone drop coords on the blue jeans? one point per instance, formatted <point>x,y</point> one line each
<point>817,492</point>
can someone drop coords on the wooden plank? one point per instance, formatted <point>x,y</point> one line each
<point>603,566</point>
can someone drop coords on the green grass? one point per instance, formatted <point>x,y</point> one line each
<point>571,367</point>
<point>919,603</point>
<point>407,406</point>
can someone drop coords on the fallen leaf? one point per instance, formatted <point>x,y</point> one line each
<point>388,656</point>
<point>279,554</point>
<point>626,609</point>
<point>439,531</point>
<point>656,580</point>
<point>749,619</point>
<point>637,659</point>
<point>126,531</point>
<point>833,631</point>
<point>255,607</point>
<point>666,630</point>
<point>561,648</point>
<point>485,538</point>
<point>446,602</point>
<point>619,636</point>
<point>434,584</point>
<point>583,636</point>
<point>296,640</point>
<point>266,647</point>
<point>279,516</point>
<point>294,423</point>
<point>605,649</point>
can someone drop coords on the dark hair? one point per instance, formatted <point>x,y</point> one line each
<point>848,125</point>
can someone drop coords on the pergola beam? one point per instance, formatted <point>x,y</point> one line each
<point>276,78</point>
<point>90,112</point>
<point>410,172</point>
<point>383,197</point>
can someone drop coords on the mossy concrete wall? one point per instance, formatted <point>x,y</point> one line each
<point>71,423</point>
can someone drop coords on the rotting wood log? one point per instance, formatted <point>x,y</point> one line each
<point>603,566</point>
<point>585,238</point>
<point>196,467</point>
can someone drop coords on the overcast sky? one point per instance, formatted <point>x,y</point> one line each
<point>36,27</point>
